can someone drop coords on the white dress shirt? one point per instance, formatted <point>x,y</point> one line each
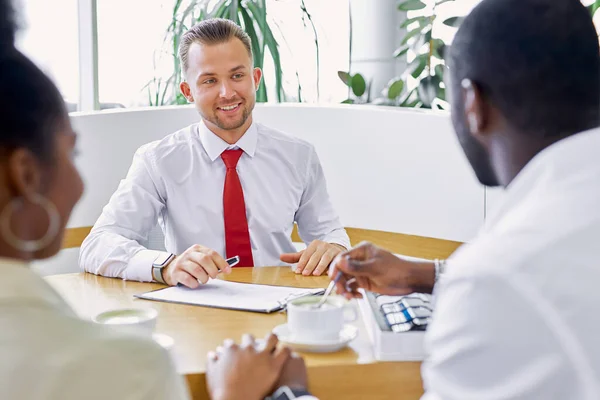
<point>48,353</point>
<point>178,181</point>
<point>516,312</point>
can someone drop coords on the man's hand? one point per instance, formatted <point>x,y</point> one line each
<point>376,270</point>
<point>314,259</point>
<point>293,374</point>
<point>194,267</point>
<point>243,372</point>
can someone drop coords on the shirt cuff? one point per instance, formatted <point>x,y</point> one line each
<point>340,238</point>
<point>140,266</point>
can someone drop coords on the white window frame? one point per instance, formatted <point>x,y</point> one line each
<point>88,55</point>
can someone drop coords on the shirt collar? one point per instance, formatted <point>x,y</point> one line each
<point>551,169</point>
<point>214,145</point>
<point>22,286</point>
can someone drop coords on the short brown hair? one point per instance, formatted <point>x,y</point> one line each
<point>211,31</point>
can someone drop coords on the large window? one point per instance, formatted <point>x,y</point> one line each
<point>129,34</point>
<point>131,52</point>
<point>52,43</point>
<point>131,49</point>
<point>133,59</point>
<point>296,38</point>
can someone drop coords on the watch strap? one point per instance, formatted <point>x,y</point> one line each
<point>287,393</point>
<point>439,268</point>
<point>159,264</point>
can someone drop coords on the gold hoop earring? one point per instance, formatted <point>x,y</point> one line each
<point>30,246</point>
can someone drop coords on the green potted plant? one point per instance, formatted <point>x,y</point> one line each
<point>427,67</point>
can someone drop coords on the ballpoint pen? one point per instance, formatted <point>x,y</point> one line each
<point>232,261</point>
<point>329,289</point>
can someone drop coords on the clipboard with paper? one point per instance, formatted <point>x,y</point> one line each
<point>219,293</point>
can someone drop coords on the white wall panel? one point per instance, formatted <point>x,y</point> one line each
<point>387,168</point>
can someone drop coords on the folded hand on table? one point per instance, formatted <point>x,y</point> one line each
<point>250,371</point>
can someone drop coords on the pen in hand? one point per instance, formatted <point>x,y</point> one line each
<point>232,261</point>
<point>329,289</point>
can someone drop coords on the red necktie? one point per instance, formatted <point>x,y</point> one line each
<point>237,237</point>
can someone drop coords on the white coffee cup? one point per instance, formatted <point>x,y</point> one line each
<point>308,323</point>
<point>139,321</point>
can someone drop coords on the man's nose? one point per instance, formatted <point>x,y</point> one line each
<point>227,90</point>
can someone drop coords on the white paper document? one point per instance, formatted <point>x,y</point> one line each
<point>231,295</point>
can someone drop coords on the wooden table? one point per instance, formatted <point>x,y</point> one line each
<point>351,373</point>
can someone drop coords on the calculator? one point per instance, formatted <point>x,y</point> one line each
<point>396,325</point>
<point>401,313</point>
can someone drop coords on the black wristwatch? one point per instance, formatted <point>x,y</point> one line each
<point>161,261</point>
<point>287,393</point>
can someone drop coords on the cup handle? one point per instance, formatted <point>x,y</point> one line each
<point>350,314</point>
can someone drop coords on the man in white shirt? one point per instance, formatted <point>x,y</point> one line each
<point>516,309</point>
<point>226,186</point>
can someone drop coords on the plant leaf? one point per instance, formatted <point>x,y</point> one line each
<point>345,77</point>
<point>412,104</point>
<point>441,52</point>
<point>425,38</point>
<point>395,88</point>
<point>348,101</point>
<point>317,49</point>
<point>416,67</point>
<point>402,50</point>
<point>411,5</point>
<point>256,48</point>
<point>408,98</point>
<point>420,67</point>
<point>442,94</point>
<point>411,34</point>
<point>428,89</point>
<point>594,7</point>
<point>420,20</point>
<point>220,10</point>
<point>233,11</point>
<point>359,85</point>
<point>438,48</point>
<point>454,21</point>
<point>439,72</point>
<point>259,14</point>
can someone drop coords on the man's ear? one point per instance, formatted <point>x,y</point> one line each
<point>257,76</point>
<point>23,173</point>
<point>186,91</point>
<point>475,110</point>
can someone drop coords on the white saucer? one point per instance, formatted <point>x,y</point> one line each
<point>347,334</point>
